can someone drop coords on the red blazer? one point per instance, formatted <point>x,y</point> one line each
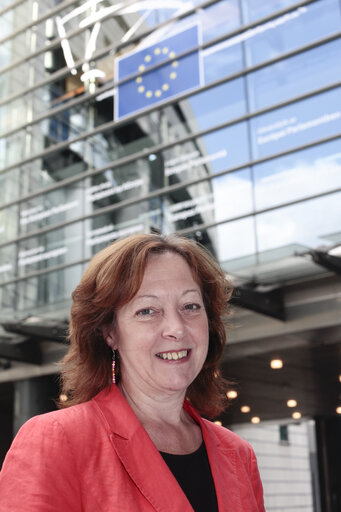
<point>97,457</point>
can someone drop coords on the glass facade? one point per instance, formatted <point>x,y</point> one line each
<point>219,120</point>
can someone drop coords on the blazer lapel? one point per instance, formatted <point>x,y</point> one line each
<point>139,456</point>
<point>223,463</point>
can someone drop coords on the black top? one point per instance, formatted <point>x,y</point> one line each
<point>194,476</point>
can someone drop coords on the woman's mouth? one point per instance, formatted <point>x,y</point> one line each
<point>173,356</point>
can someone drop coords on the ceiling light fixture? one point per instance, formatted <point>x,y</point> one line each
<point>276,364</point>
<point>255,420</point>
<point>232,394</point>
<point>245,408</point>
<point>296,415</point>
<point>338,409</point>
<point>291,403</point>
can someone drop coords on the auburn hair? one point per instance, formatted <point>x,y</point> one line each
<point>112,279</point>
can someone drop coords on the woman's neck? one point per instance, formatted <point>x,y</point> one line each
<point>170,428</point>
<point>161,408</point>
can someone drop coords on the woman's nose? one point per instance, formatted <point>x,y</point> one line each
<point>173,325</point>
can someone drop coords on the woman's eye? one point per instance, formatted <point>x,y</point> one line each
<point>144,312</point>
<point>192,307</point>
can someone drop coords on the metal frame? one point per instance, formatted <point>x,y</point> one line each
<point>183,232</point>
<point>161,147</point>
<point>149,150</point>
<point>269,303</point>
<point>114,48</point>
<point>171,188</point>
<point>56,42</point>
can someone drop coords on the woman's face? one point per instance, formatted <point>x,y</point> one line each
<point>162,333</point>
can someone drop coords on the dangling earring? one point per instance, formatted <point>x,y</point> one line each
<point>113,367</point>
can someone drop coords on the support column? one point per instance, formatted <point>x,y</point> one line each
<point>33,396</point>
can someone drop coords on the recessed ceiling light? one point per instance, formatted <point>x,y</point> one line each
<point>218,422</point>
<point>296,415</point>
<point>255,420</point>
<point>338,409</point>
<point>232,394</point>
<point>276,364</point>
<point>291,403</point>
<point>245,408</point>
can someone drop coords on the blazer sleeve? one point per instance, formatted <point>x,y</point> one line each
<point>256,482</point>
<point>39,473</point>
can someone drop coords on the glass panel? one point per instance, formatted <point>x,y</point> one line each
<point>9,186</point>
<point>61,205</point>
<point>51,169</point>
<point>222,59</point>
<point>8,301</point>
<point>232,243</point>
<point>125,182</point>
<point>101,230</point>
<point>47,290</point>
<point>306,224</point>
<point>8,223</point>
<point>289,31</point>
<point>66,125</point>
<point>208,108</point>
<point>297,124</point>
<point>57,247</point>
<point>208,154</point>
<point>283,236</point>
<point>295,76</point>
<point>303,173</point>
<point>211,201</point>
<point>12,149</point>
<point>7,263</point>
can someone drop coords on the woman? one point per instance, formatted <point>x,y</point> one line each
<point>150,307</point>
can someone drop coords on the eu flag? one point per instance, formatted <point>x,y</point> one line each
<point>164,82</point>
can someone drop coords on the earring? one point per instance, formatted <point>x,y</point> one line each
<point>113,367</point>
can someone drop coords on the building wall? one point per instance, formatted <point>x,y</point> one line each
<point>285,466</point>
<point>253,148</point>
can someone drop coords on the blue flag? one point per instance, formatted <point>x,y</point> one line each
<point>167,81</point>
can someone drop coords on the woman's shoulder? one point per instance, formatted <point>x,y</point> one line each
<point>229,439</point>
<point>70,421</point>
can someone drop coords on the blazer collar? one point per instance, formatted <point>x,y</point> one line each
<point>138,454</point>
<point>223,463</point>
<point>147,469</point>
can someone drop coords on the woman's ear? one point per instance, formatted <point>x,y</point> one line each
<point>109,336</point>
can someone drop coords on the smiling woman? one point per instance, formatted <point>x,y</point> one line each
<point>146,335</point>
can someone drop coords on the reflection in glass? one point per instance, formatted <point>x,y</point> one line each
<point>142,217</point>
<point>57,247</point>
<point>210,201</point>
<point>207,155</point>
<point>47,290</point>
<point>7,262</point>
<point>292,77</point>
<point>233,243</point>
<point>61,205</point>
<point>8,223</point>
<point>51,169</point>
<point>8,301</point>
<point>300,174</point>
<point>9,186</point>
<point>129,181</point>
<point>310,224</point>
<point>297,28</point>
<point>297,124</point>
<point>218,105</point>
